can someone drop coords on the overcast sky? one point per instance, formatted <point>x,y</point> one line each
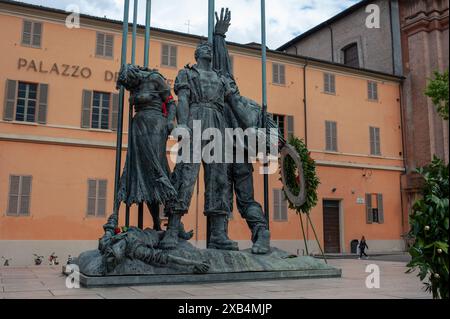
<point>285,18</point>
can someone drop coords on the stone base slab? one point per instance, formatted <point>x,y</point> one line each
<point>127,280</point>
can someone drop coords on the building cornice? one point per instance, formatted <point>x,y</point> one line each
<point>71,142</point>
<point>87,21</point>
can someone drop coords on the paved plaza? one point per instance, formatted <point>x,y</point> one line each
<point>48,282</point>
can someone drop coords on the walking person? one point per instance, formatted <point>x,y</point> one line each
<point>362,247</point>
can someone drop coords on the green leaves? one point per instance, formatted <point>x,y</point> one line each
<point>309,171</point>
<point>437,90</point>
<point>429,226</point>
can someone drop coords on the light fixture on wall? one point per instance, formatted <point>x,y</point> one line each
<point>334,189</point>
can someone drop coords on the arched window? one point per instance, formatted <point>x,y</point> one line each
<point>350,53</point>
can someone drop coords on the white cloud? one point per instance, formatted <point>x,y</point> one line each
<point>285,19</point>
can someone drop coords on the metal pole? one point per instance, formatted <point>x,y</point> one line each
<point>211,9</point>
<point>130,112</point>
<point>148,14</point>
<point>120,111</point>
<point>264,104</point>
<point>133,43</point>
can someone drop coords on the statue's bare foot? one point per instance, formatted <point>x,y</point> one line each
<point>262,243</point>
<point>202,267</point>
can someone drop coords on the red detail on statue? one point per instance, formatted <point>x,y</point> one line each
<point>164,105</point>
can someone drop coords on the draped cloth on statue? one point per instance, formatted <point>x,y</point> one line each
<point>149,168</point>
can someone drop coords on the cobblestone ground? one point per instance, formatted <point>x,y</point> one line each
<point>48,282</point>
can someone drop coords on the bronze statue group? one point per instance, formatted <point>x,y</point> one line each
<point>205,92</point>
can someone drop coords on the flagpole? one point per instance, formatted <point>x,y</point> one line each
<point>120,111</point>
<point>148,14</point>
<point>211,9</point>
<point>130,113</point>
<point>264,105</point>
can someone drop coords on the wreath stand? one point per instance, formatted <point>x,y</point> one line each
<point>300,182</point>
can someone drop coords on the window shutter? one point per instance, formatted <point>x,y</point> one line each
<point>275,73</point>
<point>282,74</point>
<point>10,100</point>
<point>375,91</point>
<point>276,204</point>
<point>42,109</point>
<point>326,82</point>
<point>334,136</point>
<point>173,56</point>
<point>25,194</point>
<point>115,112</point>
<point>101,197</point>
<point>13,202</point>
<point>290,126</point>
<point>377,141</point>
<point>100,45</point>
<point>369,215</point>
<point>109,45</point>
<point>372,141</point>
<point>26,33</point>
<point>332,83</point>
<point>165,55</point>
<point>380,208</point>
<point>92,196</point>
<point>327,136</point>
<point>283,206</point>
<point>86,109</point>
<point>37,31</point>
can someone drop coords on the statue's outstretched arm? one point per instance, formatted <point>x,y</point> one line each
<point>221,58</point>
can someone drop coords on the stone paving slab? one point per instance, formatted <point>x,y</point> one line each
<point>48,283</point>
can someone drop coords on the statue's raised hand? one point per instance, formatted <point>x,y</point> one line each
<point>223,23</point>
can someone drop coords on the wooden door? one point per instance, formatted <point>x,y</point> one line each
<point>331,232</point>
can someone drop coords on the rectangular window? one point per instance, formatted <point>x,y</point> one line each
<point>26,102</point>
<point>280,206</point>
<point>104,45</point>
<point>374,209</point>
<point>329,83</point>
<point>331,136</point>
<point>280,120</point>
<point>351,55</point>
<point>278,74</point>
<point>96,201</point>
<point>32,33</point>
<point>19,195</point>
<point>375,141</point>
<point>372,90</point>
<point>169,55</point>
<point>100,110</point>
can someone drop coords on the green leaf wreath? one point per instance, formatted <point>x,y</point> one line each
<point>311,184</point>
<point>309,171</point>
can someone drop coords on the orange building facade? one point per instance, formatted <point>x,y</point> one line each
<point>57,138</point>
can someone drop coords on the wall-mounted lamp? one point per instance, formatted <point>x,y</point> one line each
<point>334,189</point>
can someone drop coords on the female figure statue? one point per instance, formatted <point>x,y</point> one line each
<point>146,156</point>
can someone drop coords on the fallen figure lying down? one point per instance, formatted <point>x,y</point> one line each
<point>138,244</point>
